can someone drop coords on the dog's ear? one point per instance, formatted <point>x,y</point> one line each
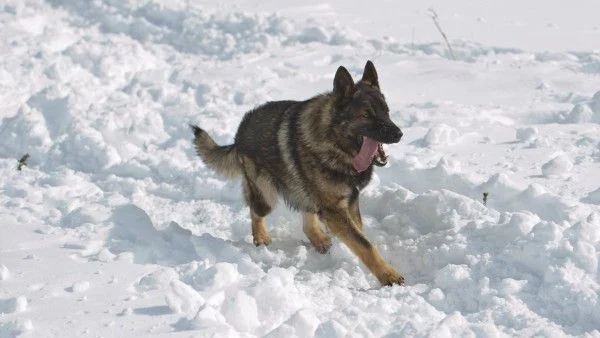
<point>343,85</point>
<point>370,75</point>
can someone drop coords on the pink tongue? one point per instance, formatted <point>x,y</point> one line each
<point>363,160</point>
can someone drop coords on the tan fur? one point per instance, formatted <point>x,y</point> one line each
<point>259,230</point>
<point>310,225</point>
<point>354,211</point>
<point>341,225</point>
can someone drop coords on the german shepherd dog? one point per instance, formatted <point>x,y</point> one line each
<point>316,154</point>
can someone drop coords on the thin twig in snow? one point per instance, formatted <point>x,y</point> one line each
<point>434,17</point>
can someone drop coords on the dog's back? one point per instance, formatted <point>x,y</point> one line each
<point>255,139</point>
<point>257,134</point>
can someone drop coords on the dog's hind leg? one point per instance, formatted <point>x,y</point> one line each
<point>312,229</point>
<point>341,224</point>
<point>261,198</point>
<point>259,230</point>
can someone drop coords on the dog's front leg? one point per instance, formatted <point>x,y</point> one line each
<point>320,240</point>
<point>340,223</point>
<point>355,213</point>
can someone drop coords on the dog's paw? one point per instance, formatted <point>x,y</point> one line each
<point>261,239</point>
<point>390,278</point>
<point>322,245</point>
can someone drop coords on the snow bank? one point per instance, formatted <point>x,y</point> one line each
<point>188,30</point>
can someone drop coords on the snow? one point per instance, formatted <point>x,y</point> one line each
<point>114,227</point>
<point>4,272</point>
<point>183,299</point>
<point>527,134</point>
<point>440,134</point>
<point>558,165</point>
<point>593,197</point>
<point>18,304</point>
<point>79,287</point>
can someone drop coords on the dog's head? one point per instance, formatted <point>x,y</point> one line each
<point>362,117</point>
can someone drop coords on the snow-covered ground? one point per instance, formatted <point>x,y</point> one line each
<point>115,228</point>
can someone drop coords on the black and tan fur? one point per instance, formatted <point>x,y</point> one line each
<point>303,151</point>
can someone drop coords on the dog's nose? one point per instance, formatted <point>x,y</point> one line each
<point>396,134</point>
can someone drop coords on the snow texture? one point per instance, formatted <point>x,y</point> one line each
<point>4,273</point>
<point>114,227</point>
<point>558,165</point>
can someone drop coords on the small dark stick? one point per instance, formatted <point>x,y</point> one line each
<point>434,17</point>
<point>485,198</point>
<point>22,162</point>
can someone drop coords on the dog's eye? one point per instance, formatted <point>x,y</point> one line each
<point>365,113</point>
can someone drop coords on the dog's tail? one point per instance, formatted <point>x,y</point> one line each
<point>222,159</point>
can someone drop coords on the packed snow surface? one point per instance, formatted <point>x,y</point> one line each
<point>115,228</point>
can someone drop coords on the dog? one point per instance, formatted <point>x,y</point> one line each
<point>317,155</point>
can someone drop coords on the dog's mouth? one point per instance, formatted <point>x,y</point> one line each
<point>371,152</point>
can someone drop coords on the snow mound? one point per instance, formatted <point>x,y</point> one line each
<point>302,324</point>
<point>156,280</point>
<point>89,213</point>
<point>593,197</point>
<point>582,113</point>
<point>183,299</point>
<point>25,132</point>
<point>558,165</point>
<point>527,134</point>
<point>15,328</point>
<point>12,305</point>
<point>331,328</point>
<point>586,111</point>
<point>440,134</point>
<point>134,232</point>
<point>595,102</point>
<point>241,312</point>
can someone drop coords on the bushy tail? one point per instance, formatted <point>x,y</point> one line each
<point>222,159</point>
